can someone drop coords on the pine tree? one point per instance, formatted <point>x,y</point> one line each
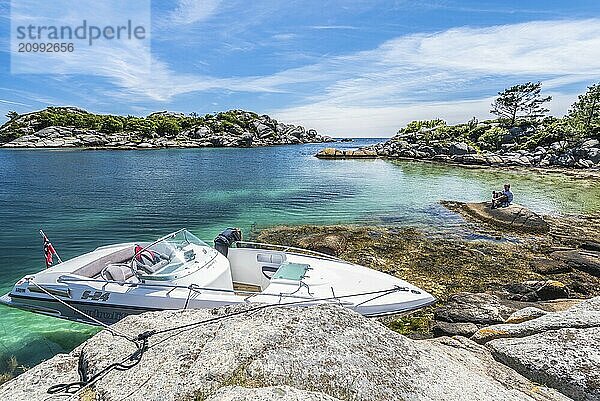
<point>585,112</point>
<point>520,101</point>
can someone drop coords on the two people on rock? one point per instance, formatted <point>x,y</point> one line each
<point>502,198</point>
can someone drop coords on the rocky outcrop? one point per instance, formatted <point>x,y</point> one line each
<point>583,315</point>
<point>465,329</point>
<point>483,309</point>
<point>514,217</point>
<point>423,145</point>
<point>566,359</point>
<point>536,290</point>
<point>464,313</point>
<point>560,349</point>
<point>332,153</point>
<point>317,353</point>
<point>235,128</point>
<point>525,314</point>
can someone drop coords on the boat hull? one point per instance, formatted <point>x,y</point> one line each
<point>107,314</point>
<point>110,313</point>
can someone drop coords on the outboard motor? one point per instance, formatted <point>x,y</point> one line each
<point>227,238</point>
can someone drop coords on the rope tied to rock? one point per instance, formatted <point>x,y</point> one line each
<point>141,341</point>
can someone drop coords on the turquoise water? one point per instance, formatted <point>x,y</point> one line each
<point>84,199</point>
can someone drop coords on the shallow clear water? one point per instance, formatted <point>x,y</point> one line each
<point>84,199</point>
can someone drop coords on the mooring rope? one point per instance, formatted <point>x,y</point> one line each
<point>141,340</point>
<point>100,323</point>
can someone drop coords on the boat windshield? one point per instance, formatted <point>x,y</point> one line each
<point>171,253</point>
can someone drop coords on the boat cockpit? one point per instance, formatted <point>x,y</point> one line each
<point>168,258</point>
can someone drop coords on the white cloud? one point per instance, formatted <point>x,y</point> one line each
<point>14,103</point>
<point>192,11</point>
<point>373,92</point>
<point>406,70</point>
<point>283,37</point>
<point>551,47</point>
<point>333,27</point>
<point>348,121</point>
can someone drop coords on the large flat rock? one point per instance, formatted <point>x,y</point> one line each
<point>566,359</point>
<point>327,350</point>
<point>559,349</point>
<point>514,217</point>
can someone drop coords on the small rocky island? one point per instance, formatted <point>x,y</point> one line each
<point>482,143</point>
<point>521,135</point>
<point>69,127</point>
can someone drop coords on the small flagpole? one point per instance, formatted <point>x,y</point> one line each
<point>54,249</point>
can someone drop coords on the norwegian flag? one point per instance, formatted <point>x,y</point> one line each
<point>49,251</point>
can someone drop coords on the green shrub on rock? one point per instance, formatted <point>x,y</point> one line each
<point>11,115</point>
<point>585,112</point>
<point>492,138</point>
<point>418,125</point>
<point>145,126</point>
<point>68,117</point>
<point>111,125</point>
<point>552,131</point>
<point>167,126</point>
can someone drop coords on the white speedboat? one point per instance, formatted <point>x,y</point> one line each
<point>179,271</point>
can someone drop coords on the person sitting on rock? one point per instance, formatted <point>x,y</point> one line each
<point>502,198</point>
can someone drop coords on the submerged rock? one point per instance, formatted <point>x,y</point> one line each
<point>330,244</point>
<point>328,351</point>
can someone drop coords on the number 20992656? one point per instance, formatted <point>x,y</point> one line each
<point>50,47</point>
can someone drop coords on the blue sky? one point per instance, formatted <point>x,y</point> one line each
<point>346,68</point>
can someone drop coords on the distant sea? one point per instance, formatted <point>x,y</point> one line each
<point>84,199</point>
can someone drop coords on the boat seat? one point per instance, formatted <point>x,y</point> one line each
<point>152,268</point>
<point>117,272</point>
<point>95,267</point>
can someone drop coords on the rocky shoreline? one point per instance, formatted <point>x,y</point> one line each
<point>575,154</point>
<point>235,128</point>
<point>518,318</point>
<point>318,353</point>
